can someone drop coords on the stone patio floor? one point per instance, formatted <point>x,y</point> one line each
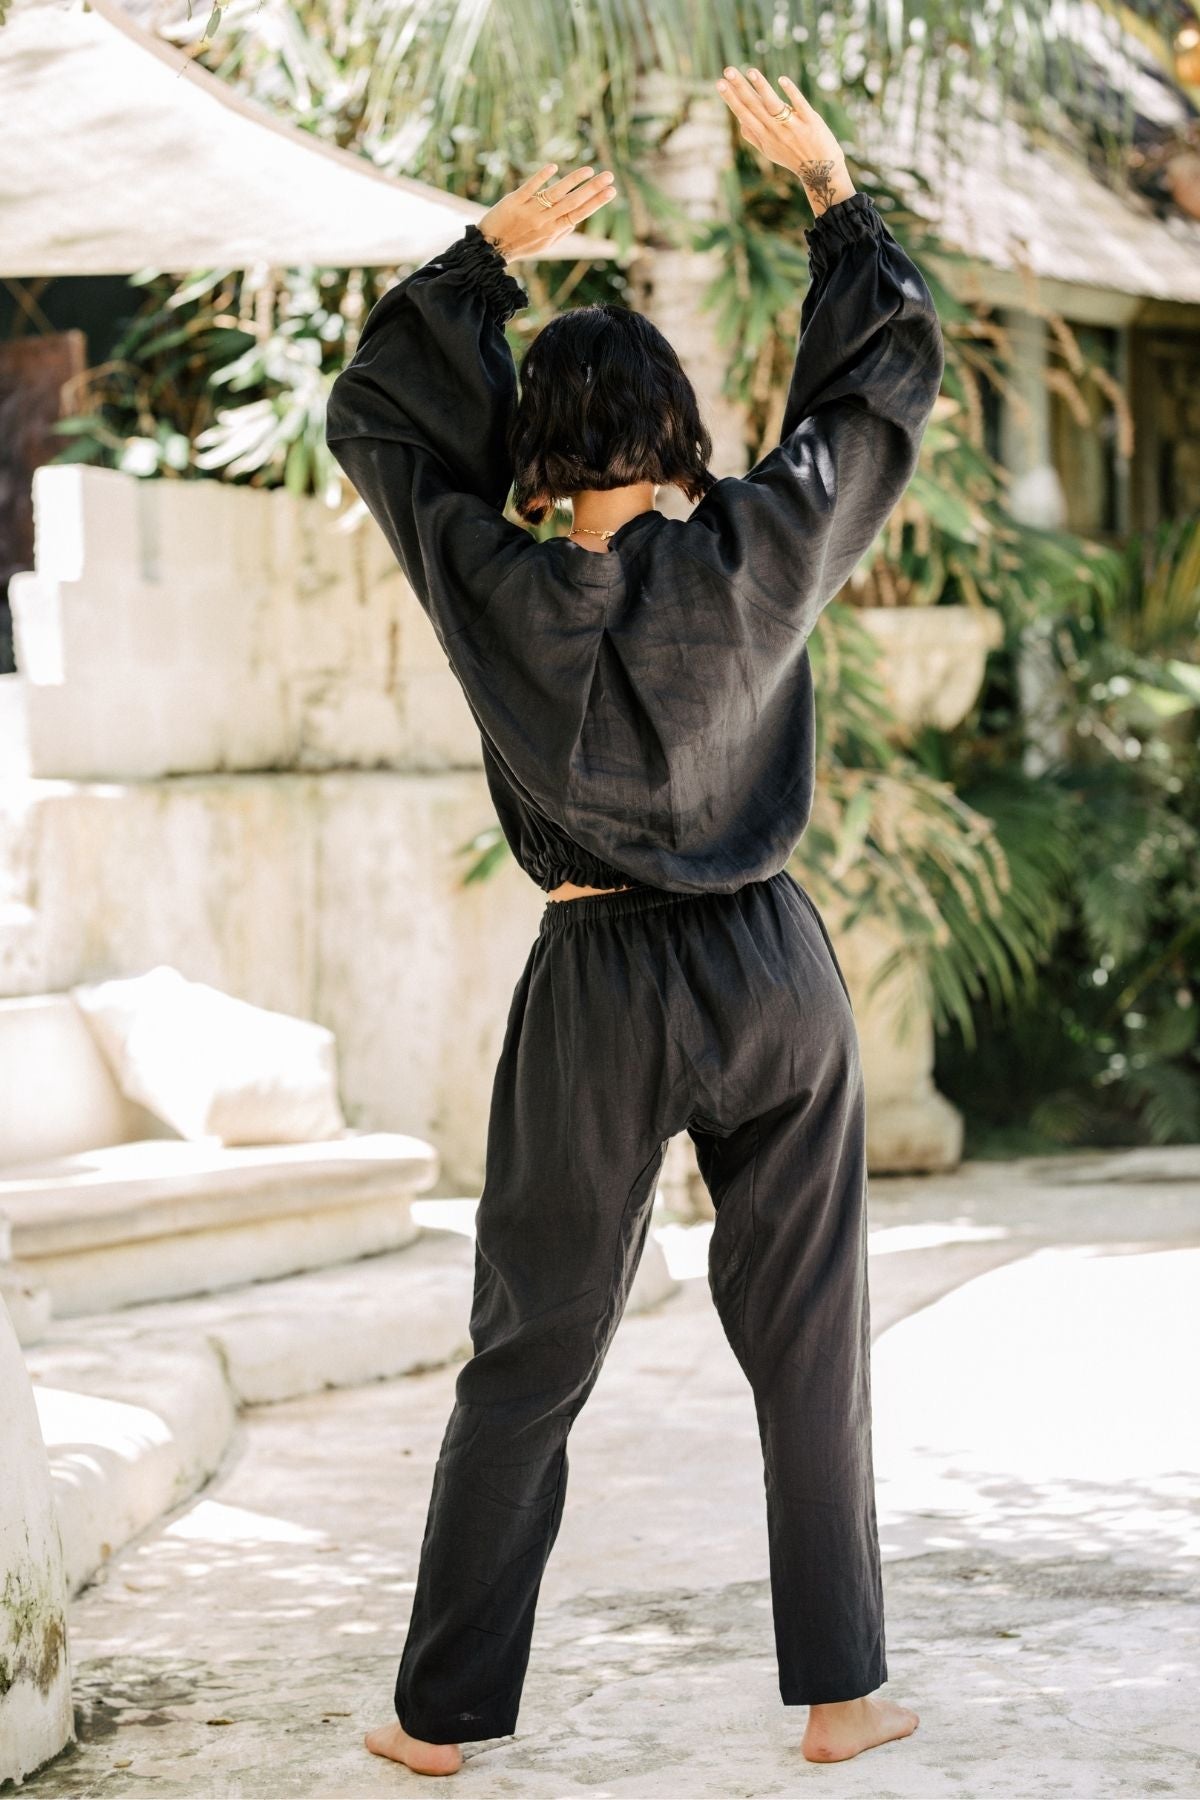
<point>1037,1446</point>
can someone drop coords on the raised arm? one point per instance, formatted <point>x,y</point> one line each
<point>418,418</point>
<point>433,367</point>
<point>867,372</point>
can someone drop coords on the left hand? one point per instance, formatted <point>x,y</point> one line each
<point>800,141</point>
<point>524,225</point>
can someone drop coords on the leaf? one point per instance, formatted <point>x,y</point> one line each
<point>1161,703</point>
<point>856,822</point>
<point>487,863</point>
<point>76,427</point>
<point>951,511</point>
<point>296,468</point>
<point>1187,675</point>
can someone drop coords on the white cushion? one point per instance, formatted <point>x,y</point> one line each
<point>212,1066</point>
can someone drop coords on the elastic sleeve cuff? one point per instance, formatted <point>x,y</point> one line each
<point>846,222</point>
<point>483,264</point>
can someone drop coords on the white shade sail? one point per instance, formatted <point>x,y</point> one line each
<point>118,152</point>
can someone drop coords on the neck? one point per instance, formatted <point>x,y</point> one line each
<point>607,509</point>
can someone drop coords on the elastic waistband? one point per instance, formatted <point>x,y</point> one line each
<point>561,915</point>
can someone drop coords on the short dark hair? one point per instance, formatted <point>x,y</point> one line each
<point>604,403</point>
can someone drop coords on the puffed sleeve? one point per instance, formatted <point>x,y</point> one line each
<point>418,420</point>
<point>867,372</point>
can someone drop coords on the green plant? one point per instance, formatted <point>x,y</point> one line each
<point>974,908</point>
<point>447,92</point>
<point>1106,770</point>
<point>155,407</point>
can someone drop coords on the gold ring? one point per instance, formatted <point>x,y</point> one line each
<point>785,114</point>
<point>543,199</point>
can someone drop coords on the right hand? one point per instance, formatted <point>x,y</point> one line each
<point>522,225</point>
<point>802,142</point>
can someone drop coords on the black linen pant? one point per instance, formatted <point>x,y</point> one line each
<point>640,1014</point>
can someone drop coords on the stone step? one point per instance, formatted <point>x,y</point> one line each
<point>162,1218</point>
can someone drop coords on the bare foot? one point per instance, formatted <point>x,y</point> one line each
<point>843,1728</point>
<point>424,1759</point>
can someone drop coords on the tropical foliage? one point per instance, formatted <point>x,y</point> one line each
<point>470,96</point>
<point>1093,786</point>
<point>462,93</point>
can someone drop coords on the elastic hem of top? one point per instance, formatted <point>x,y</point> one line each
<point>854,219</point>
<point>475,253</point>
<point>560,915</point>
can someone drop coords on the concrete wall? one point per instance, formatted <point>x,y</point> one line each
<point>188,626</point>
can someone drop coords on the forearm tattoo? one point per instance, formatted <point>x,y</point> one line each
<point>818,179</point>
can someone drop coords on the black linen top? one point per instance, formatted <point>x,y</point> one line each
<point>646,714</point>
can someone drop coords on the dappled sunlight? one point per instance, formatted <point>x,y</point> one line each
<point>212,1521</point>
<point>928,1506</point>
<point>643,1637</point>
<point>240,1573</point>
<point>1025,1578</point>
<point>1173,1672</point>
<point>686,1246</point>
<point>1040,1406</point>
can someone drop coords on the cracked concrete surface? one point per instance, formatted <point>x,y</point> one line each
<point>1037,1459</point>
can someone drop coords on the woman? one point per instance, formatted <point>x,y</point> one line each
<point>644,699</point>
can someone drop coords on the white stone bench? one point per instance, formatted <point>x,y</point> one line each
<point>105,1207</point>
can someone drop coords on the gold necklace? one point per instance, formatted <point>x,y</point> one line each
<point>590,531</point>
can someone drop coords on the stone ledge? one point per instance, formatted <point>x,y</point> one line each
<point>202,1262</point>
<point>127,1192</point>
<point>127,1438</point>
<point>161,1218</point>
